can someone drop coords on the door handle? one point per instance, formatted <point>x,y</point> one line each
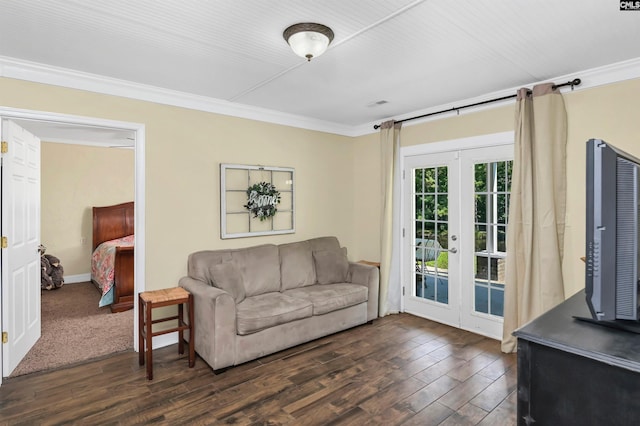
<point>453,250</point>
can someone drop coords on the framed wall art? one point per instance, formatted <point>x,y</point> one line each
<point>256,200</point>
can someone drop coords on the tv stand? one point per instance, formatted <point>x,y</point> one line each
<point>573,372</point>
<point>630,326</point>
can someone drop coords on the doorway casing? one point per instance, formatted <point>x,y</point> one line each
<point>139,180</point>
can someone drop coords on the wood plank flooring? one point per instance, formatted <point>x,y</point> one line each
<point>400,370</point>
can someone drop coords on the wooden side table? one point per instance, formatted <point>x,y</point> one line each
<point>367,262</point>
<point>148,300</point>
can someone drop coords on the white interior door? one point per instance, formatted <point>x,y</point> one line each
<point>454,247</point>
<point>20,258</point>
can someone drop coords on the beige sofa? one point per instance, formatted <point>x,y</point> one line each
<point>258,300</point>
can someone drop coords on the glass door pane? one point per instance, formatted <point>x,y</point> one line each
<point>492,183</point>
<point>431,237</point>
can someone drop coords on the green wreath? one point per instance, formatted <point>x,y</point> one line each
<point>262,199</point>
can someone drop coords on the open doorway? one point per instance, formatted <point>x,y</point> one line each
<point>65,128</point>
<point>75,327</point>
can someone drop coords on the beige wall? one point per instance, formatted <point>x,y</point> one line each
<point>608,112</point>
<point>183,151</point>
<point>337,177</point>
<point>74,179</point>
<point>367,205</point>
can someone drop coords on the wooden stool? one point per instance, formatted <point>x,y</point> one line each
<point>148,300</point>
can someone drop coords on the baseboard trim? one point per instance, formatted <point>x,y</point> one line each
<point>79,278</point>
<point>165,340</point>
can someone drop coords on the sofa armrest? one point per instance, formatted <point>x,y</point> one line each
<point>215,323</point>
<point>368,276</point>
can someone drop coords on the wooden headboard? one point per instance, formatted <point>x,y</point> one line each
<point>112,222</point>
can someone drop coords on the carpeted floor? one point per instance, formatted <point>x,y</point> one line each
<point>74,329</point>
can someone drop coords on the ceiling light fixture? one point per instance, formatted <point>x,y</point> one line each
<point>307,39</point>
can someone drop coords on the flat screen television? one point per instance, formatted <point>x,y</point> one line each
<point>613,236</point>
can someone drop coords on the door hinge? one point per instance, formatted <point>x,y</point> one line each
<point>5,337</point>
<point>403,290</point>
<point>403,174</point>
<point>5,147</point>
<point>402,232</point>
<point>5,242</point>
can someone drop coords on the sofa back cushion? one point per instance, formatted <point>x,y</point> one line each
<point>259,267</point>
<point>296,265</point>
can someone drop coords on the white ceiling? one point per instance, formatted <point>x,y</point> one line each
<point>412,54</point>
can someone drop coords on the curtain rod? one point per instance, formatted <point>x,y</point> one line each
<point>574,82</point>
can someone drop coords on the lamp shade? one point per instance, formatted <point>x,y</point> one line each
<point>308,40</point>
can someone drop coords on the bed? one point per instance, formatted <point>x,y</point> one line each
<point>112,255</point>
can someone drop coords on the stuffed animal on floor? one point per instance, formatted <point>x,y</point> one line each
<point>46,283</point>
<point>57,271</point>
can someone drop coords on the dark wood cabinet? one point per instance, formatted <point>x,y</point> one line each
<point>572,372</point>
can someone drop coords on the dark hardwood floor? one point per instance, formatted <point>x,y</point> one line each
<point>400,370</point>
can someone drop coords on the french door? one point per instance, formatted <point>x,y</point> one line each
<point>456,207</point>
<point>433,226</point>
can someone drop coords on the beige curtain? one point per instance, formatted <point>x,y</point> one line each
<point>389,146</point>
<point>535,235</point>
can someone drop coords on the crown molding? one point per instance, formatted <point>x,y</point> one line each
<point>47,74</point>
<point>594,77</point>
<point>41,73</point>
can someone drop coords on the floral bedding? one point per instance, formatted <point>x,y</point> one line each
<point>102,266</point>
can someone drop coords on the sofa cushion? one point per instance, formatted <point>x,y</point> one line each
<point>324,243</point>
<point>256,313</point>
<point>199,263</point>
<point>331,266</point>
<point>330,297</point>
<point>259,267</point>
<point>226,276</point>
<point>296,265</point>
